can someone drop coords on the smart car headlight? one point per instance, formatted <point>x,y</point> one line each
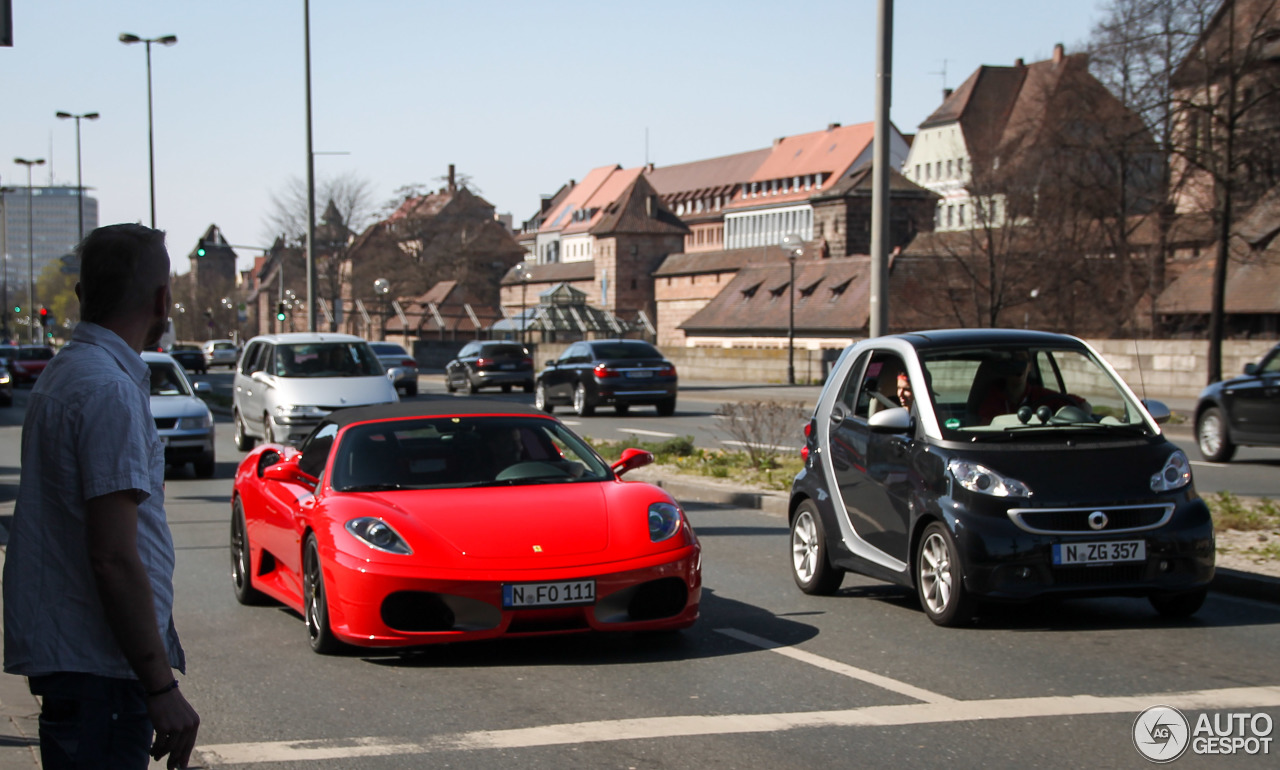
<point>289,413</point>
<point>664,521</point>
<point>1175,474</point>
<point>379,535</point>
<point>983,480</point>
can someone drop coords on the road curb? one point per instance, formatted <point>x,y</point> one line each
<point>1248,585</point>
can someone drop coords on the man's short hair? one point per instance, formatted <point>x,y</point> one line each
<point>119,267</point>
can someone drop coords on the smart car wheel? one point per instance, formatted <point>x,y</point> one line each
<point>1211,436</point>
<point>244,442</point>
<point>241,571</point>
<point>540,400</point>
<point>1179,605</point>
<point>940,578</point>
<point>810,567</point>
<point>316,603</point>
<point>582,405</point>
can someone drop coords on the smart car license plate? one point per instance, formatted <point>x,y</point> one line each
<point>568,592</point>
<point>1100,553</point>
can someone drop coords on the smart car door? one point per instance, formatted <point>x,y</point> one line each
<point>870,468</point>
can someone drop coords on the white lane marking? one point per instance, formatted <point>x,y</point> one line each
<point>639,432</point>
<point>729,724</point>
<point>572,422</point>
<point>836,667</point>
<point>774,447</point>
<point>1207,464</point>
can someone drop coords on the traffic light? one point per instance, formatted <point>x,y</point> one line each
<point>17,308</point>
<point>280,311</point>
<point>44,316</point>
<point>200,251</point>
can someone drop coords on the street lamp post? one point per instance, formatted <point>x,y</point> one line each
<point>129,39</point>
<point>383,287</point>
<point>795,247</point>
<point>522,270</point>
<point>79,180</point>
<point>31,271</point>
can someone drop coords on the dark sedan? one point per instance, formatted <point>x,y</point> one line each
<point>617,373</point>
<point>490,364</point>
<point>30,362</point>
<point>991,465</point>
<point>1241,411</point>
<point>190,356</point>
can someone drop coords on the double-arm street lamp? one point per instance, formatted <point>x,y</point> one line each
<point>31,272</point>
<point>129,39</point>
<point>79,181</point>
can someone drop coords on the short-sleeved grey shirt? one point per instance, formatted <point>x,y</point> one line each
<point>88,432</point>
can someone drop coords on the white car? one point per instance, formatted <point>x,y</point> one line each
<point>219,353</point>
<point>286,383</point>
<point>183,420</point>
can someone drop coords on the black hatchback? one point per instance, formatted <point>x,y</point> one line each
<point>617,373</point>
<point>995,465</point>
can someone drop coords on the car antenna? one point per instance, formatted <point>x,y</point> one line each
<point>1142,385</point>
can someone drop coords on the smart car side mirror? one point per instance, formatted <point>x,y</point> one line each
<point>1158,411</point>
<point>895,420</point>
<point>632,459</point>
<point>1251,368</point>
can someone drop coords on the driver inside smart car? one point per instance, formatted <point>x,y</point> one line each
<point>1011,388</point>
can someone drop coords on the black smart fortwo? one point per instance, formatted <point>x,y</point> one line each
<point>995,464</point>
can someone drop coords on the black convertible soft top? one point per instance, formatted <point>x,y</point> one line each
<point>441,406</point>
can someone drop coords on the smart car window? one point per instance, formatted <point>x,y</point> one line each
<point>852,384</point>
<point>1017,389</point>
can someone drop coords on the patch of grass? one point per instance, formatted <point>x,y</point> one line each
<point>681,455</point>
<point>1244,514</point>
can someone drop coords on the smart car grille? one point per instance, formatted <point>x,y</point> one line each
<point>1074,521</point>
<point>166,423</point>
<point>1099,576</point>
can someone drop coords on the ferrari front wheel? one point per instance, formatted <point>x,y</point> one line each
<point>316,605</point>
<point>241,562</point>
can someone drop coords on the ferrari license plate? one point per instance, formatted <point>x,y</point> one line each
<point>1100,553</point>
<point>560,594</point>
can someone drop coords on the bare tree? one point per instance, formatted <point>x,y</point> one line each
<point>764,429</point>
<point>288,213</point>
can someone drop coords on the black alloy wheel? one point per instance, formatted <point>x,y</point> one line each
<point>241,569</point>
<point>316,604</point>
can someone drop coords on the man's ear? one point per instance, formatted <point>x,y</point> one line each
<point>160,301</point>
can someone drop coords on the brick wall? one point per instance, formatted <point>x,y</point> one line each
<point>1169,368</point>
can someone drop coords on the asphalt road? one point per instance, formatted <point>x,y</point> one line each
<point>769,677</point>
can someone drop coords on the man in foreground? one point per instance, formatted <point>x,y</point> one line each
<point>88,575</point>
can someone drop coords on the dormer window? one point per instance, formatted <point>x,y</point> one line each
<point>750,292</point>
<point>838,289</point>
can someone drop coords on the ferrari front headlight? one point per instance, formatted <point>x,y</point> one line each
<point>379,535</point>
<point>664,521</point>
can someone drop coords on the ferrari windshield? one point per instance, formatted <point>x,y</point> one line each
<point>440,452</point>
<point>1000,390</point>
<point>326,359</point>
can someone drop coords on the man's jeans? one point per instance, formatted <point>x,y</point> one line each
<point>89,721</point>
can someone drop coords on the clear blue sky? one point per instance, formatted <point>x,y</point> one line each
<point>520,96</point>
